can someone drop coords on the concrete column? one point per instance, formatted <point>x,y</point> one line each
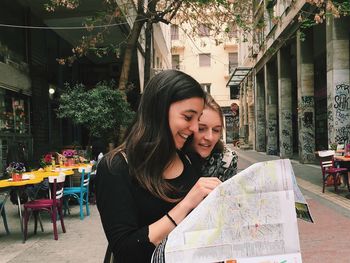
<point>241,114</point>
<point>338,89</point>
<point>271,108</point>
<point>251,114</point>
<point>245,116</point>
<point>260,138</point>
<point>285,103</point>
<point>306,109</point>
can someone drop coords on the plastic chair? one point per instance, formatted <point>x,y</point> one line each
<point>3,214</point>
<point>53,205</point>
<point>328,169</point>
<point>81,193</point>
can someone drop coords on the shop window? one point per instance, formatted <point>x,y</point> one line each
<point>13,113</point>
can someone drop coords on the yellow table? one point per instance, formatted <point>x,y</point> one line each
<point>8,183</point>
<point>46,174</point>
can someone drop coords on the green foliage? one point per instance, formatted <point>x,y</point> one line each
<point>103,110</point>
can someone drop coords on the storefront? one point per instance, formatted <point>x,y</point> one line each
<point>15,133</point>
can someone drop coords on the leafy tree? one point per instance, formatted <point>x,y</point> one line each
<point>103,110</point>
<point>217,15</point>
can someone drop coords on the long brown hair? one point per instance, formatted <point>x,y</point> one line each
<point>149,146</point>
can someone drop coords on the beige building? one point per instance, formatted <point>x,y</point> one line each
<point>210,64</point>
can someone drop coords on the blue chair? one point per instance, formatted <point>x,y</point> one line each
<point>3,214</point>
<point>80,193</point>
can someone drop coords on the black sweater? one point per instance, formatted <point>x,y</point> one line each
<point>127,209</point>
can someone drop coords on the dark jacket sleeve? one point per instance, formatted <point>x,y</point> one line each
<point>115,202</point>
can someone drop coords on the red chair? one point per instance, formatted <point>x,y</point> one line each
<point>328,169</point>
<point>51,205</point>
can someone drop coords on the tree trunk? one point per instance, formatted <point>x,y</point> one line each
<point>148,52</point>
<point>130,48</point>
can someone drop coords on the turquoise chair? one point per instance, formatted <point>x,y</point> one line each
<point>3,214</point>
<point>80,193</point>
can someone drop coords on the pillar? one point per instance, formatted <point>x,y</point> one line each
<point>285,102</point>
<point>260,137</point>
<point>271,108</point>
<point>338,90</point>
<point>306,111</point>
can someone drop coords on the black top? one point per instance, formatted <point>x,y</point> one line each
<point>127,209</point>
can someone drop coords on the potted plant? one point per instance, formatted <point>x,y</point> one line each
<point>15,169</point>
<point>69,154</point>
<point>46,162</point>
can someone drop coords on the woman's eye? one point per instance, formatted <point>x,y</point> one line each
<point>216,130</point>
<point>188,118</point>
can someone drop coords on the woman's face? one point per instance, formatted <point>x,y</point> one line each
<point>209,132</point>
<point>183,119</point>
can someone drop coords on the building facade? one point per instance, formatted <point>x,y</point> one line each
<point>30,44</point>
<point>296,98</point>
<point>210,64</point>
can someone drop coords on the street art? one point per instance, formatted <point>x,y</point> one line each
<point>339,113</point>
<point>342,104</point>
<point>260,131</point>
<point>286,136</point>
<point>308,144</point>
<point>307,138</point>
<point>342,134</point>
<point>271,135</point>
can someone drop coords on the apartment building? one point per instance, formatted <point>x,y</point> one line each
<point>295,96</point>
<point>211,64</point>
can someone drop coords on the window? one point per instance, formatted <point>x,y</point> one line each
<point>234,92</point>
<point>204,60</point>
<point>232,30</point>
<point>14,113</point>
<point>204,30</point>
<point>175,61</point>
<point>232,61</point>
<point>206,87</point>
<point>174,32</point>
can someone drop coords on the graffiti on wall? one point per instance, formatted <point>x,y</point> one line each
<point>260,131</point>
<point>342,134</point>
<point>286,136</point>
<point>308,144</point>
<point>272,135</point>
<point>341,104</point>
<point>307,128</point>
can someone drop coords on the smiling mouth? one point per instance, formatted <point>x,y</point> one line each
<point>184,136</point>
<point>205,145</point>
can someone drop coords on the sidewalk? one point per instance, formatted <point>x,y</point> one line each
<point>84,240</point>
<point>325,241</point>
<point>328,239</point>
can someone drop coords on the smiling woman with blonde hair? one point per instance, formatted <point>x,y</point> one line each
<point>216,159</point>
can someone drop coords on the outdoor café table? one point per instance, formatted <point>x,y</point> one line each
<point>35,177</point>
<point>8,184</point>
<point>344,161</point>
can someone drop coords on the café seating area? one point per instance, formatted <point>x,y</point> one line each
<point>335,166</point>
<point>49,190</point>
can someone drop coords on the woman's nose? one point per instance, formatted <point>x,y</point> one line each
<point>194,126</point>
<point>208,135</point>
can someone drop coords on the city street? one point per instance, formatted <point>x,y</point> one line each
<point>324,241</point>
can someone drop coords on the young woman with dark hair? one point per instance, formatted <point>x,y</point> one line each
<point>147,185</point>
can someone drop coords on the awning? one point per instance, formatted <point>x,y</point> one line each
<point>238,75</point>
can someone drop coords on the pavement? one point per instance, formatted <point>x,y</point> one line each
<point>326,240</point>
